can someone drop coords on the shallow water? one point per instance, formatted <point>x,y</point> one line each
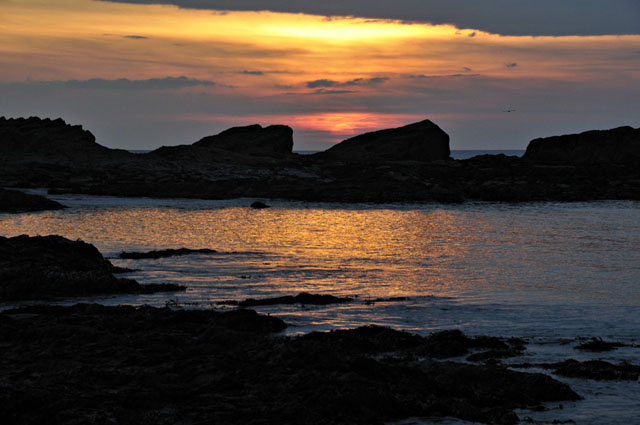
<point>549,272</point>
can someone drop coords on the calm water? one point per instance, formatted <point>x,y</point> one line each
<point>549,272</point>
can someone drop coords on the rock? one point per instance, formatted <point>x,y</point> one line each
<point>301,298</point>
<point>164,253</point>
<point>14,201</point>
<point>421,141</point>
<point>97,364</point>
<point>394,165</point>
<point>53,141</point>
<point>595,369</point>
<point>51,266</point>
<point>616,146</point>
<point>598,345</point>
<point>259,205</point>
<point>274,141</point>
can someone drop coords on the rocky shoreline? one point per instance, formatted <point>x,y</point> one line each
<point>410,163</point>
<point>94,364</point>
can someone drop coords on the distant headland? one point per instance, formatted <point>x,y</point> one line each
<point>410,163</point>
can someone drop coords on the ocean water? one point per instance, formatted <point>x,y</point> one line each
<point>548,272</point>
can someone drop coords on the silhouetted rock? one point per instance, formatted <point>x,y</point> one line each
<point>259,205</point>
<point>592,369</point>
<point>96,364</point>
<point>301,298</point>
<point>273,141</point>
<point>54,141</point>
<point>615,146</point>
<point>164,253</point>
<point>598,345</point>
<point>421,141</point>
<point>14,201</point>
<point>395,165</point>
<point>51,266</point>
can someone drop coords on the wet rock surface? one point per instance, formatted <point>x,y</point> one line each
<point>42,267</point>
<point>384,166</point>
<point>164,253</point>
<point>592,369</point>
<point>14,201</point>
<point>598,345</point>
<point>301,298</point>
<point>96,364</point>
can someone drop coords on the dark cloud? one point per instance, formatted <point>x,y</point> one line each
<point>135,37</point>
<point>355,82</point>
<point>126,84</point>
<point>251,72</point>
<point>429,77</point>
<point>508,17</point>
<point>467,69</point>
<point>322,83</point>
<point>511,65</point>
<point>324,91</point>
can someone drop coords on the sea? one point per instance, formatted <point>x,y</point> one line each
<point>553,273</point>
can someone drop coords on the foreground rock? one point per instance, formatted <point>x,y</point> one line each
<point>302,298</point>
<point>403,164</point>
<point>165,253</point>
<point>95,364</point>
<point>51,266</point>
<point>13,201</point>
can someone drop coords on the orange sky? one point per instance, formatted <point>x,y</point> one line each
<point>326,77</point>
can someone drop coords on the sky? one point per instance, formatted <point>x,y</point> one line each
<point>493,74</point>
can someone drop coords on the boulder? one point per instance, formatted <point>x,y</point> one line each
<point>275,141</point>
<point>616,146</point>
<point>14,201</point>
<point>52,266</point>
<point>421,141</point>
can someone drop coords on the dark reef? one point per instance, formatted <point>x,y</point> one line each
<point>301,298</point>
<point>409,164</point>
<point>13,201</point>
<point>96,364</point>
<point>43,267</point>
<point>165,253</point>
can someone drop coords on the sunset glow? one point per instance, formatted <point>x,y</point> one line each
<point>337,75</point>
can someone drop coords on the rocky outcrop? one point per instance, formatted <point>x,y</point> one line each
<point>421,141</point>
<point>396,165</point>
<point>42,267</point>
<point>616,146</point>
<point>14,201</point>
<point>162,253</point>
<point>52,141</point>
<point>274,141</point>
<point>96,364</point>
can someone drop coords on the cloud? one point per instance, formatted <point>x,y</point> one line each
<point>507,17</point>
<point>135,37</point>
<point>355,82</point>
<point>324,91</point>
<point>251,72</point>
<point>429,77</point>
<point>126,84</point>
